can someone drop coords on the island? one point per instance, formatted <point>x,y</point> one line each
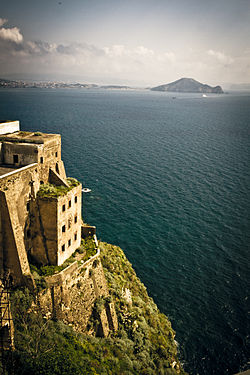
<point>188,85</point>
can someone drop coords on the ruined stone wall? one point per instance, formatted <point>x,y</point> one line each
<point>69,217</point>
<point>71,295</point>
<point>1,152</point>
<point>58,223</point>
<point>15,194</point>
<point>19,154</point>
<point>49,156</point>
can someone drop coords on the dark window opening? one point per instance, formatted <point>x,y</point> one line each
<point>75,199</point>
<point>41,182</point>
<point>15,159</point>
<point>63,229</point>
<point>63,208</point>
<point>69,223</point>
<point>76,219</point>
<point>63,247</point>
<point>41,160</point>
<point>69,203</point>
<point>56,154</point>
<point>28,206</point>
<point>69,243</point>
<point>57,168</point>
<point>75,237</point>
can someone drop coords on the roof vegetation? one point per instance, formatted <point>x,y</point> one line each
<point>54,191</point>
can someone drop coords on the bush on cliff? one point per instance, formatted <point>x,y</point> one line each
<point>144,343</point>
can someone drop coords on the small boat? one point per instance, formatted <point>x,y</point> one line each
<point>204,96</point>
<point>86,190</point>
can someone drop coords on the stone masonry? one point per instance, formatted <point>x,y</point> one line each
<point>40,222</point>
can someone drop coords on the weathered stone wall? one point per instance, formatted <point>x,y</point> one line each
<point>1,152</point>
<point>24,153</point>
<point>69,216</point>
<point>15,193</point>
<point>9,127</point>
<point>71,295</point>
<point>49,156</point>
<point>58,223</point>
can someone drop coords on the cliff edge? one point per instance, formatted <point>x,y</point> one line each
<point>142,344</point>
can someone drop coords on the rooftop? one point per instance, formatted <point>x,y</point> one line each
<point>28,137</point>
<point>4,169</point>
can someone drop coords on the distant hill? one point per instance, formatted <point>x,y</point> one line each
<point>188,85</point>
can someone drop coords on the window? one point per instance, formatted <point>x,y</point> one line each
<point>63,207</point>
<point>56,154</point>
<point>76,219</point>
<point>28,206</point>
<point>75,236</point>
<point>41,182</point>
<point>57,168</point>
<point>63,229</point>
<point>69,203</point>
<point>69,243</point>
<point>63,247</point>
<point>69,222</point>
<point>75,199</point>
<point>15,159</point>
<point>41,160</point>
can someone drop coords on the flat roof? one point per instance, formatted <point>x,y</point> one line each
<point>6,169</point>
<point>28,137</point>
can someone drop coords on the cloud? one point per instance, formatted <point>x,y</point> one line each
<point>220,57</point>
<point>117,62</point>
<point>12,34</point>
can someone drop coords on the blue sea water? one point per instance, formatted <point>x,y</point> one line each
<point>170,181</point>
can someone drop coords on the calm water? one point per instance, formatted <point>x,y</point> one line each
<point>170,184</point>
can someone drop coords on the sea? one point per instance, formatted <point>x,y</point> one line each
<point>170,184</point>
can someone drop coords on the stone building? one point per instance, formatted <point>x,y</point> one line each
<point>40,209</point>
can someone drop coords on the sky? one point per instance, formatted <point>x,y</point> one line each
<point>132,42</point>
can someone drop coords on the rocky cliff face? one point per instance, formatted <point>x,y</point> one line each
<point>188,85</point>
<point>103,298</point>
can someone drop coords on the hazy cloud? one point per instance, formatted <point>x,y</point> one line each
<point>221,57</point>
<point>13,34</point>
<point>126,63</point>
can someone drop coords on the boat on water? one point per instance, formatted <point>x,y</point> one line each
<point>204,96</point>
<point>86,190</point>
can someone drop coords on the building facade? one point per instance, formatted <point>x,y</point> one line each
<point>40,208</point>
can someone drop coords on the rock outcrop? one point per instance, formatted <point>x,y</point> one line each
<point>188,85</point>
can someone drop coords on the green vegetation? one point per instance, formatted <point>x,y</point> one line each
<point>89,245</point>
<point>143,344</point>
<point>87,249</point>
<point>23,133</point>
<point>54,191</point>
<point>51,270</point>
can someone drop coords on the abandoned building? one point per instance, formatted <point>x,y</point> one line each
<point>40,209</point>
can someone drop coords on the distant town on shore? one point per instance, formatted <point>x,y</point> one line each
<point>181,85</point>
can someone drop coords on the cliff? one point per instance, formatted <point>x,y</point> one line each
<point>142,344</point>
<point>188,85</point>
